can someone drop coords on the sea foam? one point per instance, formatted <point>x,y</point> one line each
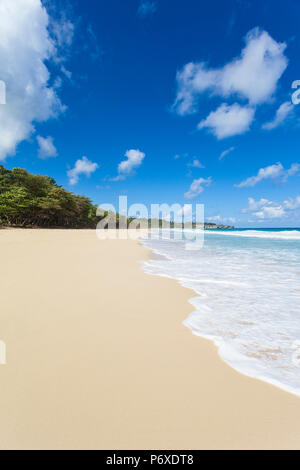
<point>247,286</point>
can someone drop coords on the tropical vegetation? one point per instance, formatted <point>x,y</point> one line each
<point>35,200</point>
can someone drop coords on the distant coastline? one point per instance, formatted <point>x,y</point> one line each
<point>218,227</point>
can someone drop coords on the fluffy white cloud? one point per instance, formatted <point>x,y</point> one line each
<point>147,7</point>
<point>196,164</point>
<point>266,209</point>
<point>254,206</point>
<point>47,148</point>
<point>226,152</point>
<point>227,121</point>
<point>285,110</point>
<point>82,167</point>
<point>276,171</point>
<point>197,187</point>
<point>25,48</point>
<point>134,159</point>
<point>252,76</point>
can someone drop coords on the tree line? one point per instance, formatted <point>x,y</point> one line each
<point>28,200</point>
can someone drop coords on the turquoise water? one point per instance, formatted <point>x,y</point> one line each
<point>247,297</point>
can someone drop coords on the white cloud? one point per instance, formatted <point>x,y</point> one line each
<point>197,187</point>
<point>47,148</point>
<point>196,164</point>
<point>285,110</point>
<point>193,80</point>
<point>147,7</point>
<point>82,167</point>
<point>271,212</point>
<point>254,206</point>
<point>252,76</point>
<point>292,171</point>
<point>276,171</point>
<point>265,209</point>
<point>221,220</point>
<point>227,121</point>
<point>226,152</point>
<point>215,219</point>
<point>292,204</point>
<point>57,83</point>
<point>66,72</point>
<point>63,31</point>
<point>25,48</point>
<point>134,160</point>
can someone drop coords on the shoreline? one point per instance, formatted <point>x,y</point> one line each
<point>105,362</point>
<point>232,357</point>
<point>217,342</point>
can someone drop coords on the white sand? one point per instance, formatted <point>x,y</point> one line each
<point>98,358</point>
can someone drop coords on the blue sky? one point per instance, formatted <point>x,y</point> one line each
<point>168,101</point>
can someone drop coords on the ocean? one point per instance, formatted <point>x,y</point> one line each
<point>247,297</point>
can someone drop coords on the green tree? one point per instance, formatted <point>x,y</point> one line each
<point>35,200</point>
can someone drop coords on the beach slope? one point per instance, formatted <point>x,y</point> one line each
<point>98,357</point>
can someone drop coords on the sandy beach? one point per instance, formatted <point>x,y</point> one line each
<point>98,357</point>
